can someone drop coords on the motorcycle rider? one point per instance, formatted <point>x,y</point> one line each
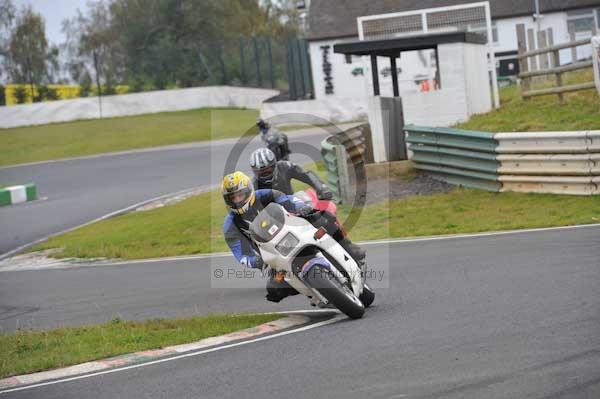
<point>278,175</point>
<point>275,140</point>
<point>245,203</point>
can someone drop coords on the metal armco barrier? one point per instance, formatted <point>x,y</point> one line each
<point>545,162</point>
<point>547,143</point>
<point>550,164</point>
<point>456,156</point>
<point>340,152</point>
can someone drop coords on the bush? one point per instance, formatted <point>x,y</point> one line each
<point>86,86</point>
<point>52,94</point>
<point>109,89</point>
<point>2,96</point>
<point>42,92</point>
<point>20,94</point>
<point>46,93</point>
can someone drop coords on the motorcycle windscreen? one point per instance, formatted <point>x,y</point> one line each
<point>267,223</point>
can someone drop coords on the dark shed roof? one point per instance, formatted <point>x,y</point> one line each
<point>337,18</point>
<point>392,47</point>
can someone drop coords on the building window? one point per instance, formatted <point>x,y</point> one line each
<point>481,28</point>
<point>583,21</point>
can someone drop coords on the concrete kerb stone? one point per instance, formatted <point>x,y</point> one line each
<point>18,194</point>
<point>290,321</point>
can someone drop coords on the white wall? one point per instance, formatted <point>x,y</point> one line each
<point>133,104</point>
<point>478,89</point>
<point>465,88</point>
<point>444,107</point>
<point>346,85</point>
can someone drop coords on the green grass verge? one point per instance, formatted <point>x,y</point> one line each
<point>195,226</point>
<point>580,111</point>
<point>30,351</point>
<point>470,211</point>
<point>80,138</point>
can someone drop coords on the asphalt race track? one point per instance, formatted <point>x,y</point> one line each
<point>81,190</point>
<point>507,316</point>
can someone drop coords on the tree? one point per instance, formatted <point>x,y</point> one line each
<point>165,43</point>
<point>93,47</point>
<point>29,56</point>
<point>85,83</point>
<point>7,15</point>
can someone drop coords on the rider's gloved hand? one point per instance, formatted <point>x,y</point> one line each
<point>305,210</point>
<point>252,262</point>
<point>325,194</point>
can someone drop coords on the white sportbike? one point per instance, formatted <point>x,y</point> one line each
<point>311,261</point>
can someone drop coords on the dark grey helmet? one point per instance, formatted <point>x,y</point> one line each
<point>262,160</point>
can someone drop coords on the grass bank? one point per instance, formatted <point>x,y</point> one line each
<point>195,226</point>
<point>81,138</point>
<point>580,111</point>
<point>31,351</point>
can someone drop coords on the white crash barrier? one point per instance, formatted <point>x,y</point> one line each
<point>549,162</point>
<point>553,164</point>
<point>573,185</point>
<point>543,142</point>
<point>133,104</point>
<point>331,110</point>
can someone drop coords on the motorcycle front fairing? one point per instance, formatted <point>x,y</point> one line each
<point>281,236</point>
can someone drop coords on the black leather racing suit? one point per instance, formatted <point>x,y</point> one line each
<point>281,179</point>
<point>277,142</point>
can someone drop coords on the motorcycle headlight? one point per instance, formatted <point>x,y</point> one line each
<point>287,244</point>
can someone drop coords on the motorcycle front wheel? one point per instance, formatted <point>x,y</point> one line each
<point>336,293</point>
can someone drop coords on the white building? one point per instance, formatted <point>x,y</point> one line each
<point>342,78</point>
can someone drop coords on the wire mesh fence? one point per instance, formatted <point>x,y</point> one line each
<point>257,62</point>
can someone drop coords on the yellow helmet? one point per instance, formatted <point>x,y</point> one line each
<point>238,192</point>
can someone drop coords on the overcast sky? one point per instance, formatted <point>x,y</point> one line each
<point>54,12</point>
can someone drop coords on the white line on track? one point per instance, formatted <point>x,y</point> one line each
<point>191,354</point>
<point>475,235</point>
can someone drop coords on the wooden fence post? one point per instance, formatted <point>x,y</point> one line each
<point>531,47</point>
<point>573,49</point>
<point>555,64</point>
<point>523,62</point>
<point>541,36</point>
<point>556,69</point>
